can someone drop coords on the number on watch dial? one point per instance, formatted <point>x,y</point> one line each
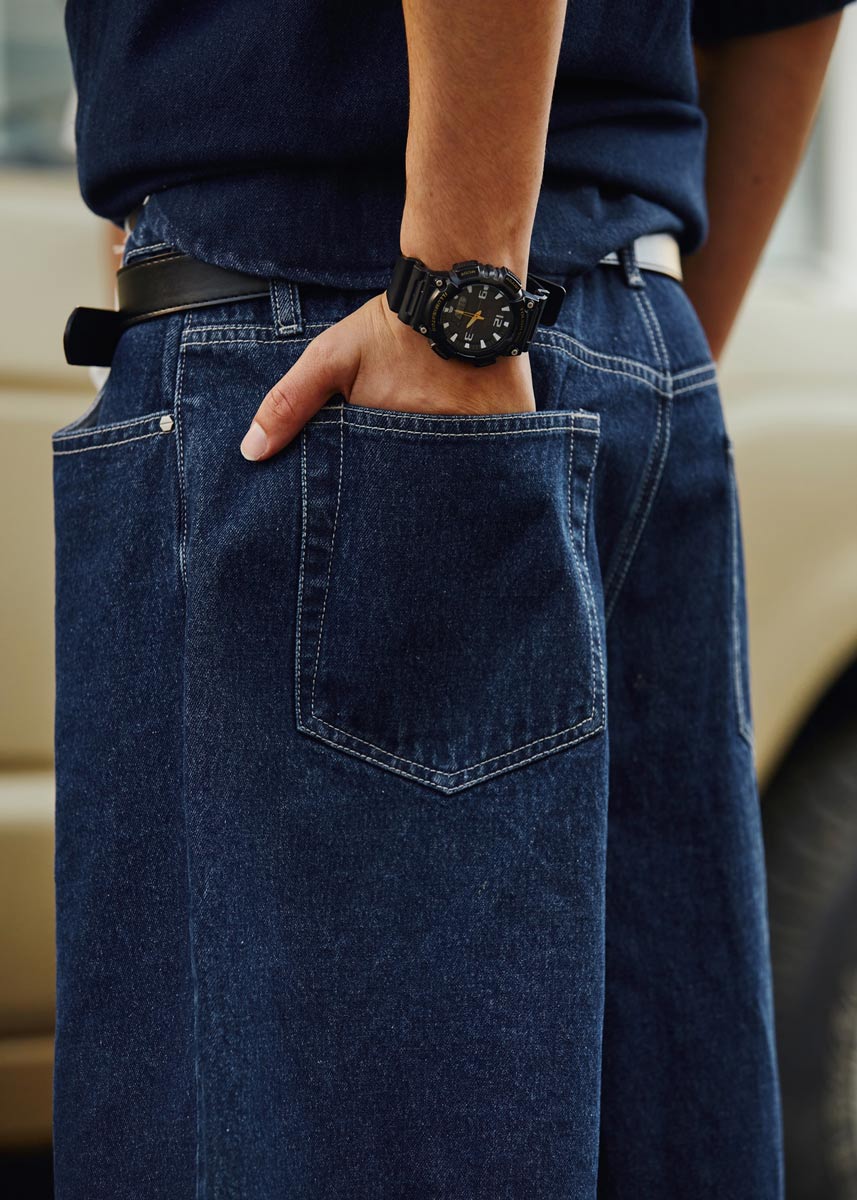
<point>478,319</point>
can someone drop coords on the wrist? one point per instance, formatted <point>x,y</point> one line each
<point>476,312</point>
<point>414,379</point>
<point>440,245</point>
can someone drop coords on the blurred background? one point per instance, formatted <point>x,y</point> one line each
<point>790,391</point>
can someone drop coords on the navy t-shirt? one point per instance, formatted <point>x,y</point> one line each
<point>270,135</point>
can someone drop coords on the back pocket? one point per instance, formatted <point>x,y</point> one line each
<point>447,622</point>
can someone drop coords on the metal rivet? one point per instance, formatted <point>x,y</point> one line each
<point>423,329</point>
<point>166,424</point>
<point>439,282</point>
<point>529,304</point>
<point>513,351</point>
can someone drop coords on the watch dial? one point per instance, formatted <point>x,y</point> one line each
<point>478,320</point>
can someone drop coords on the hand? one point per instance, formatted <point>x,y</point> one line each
<point>373,359</point>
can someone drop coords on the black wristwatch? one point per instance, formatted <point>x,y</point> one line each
<point>474,312</point>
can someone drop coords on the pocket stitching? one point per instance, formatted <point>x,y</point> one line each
<point>638,516</point>
<point>438,434</point>
<point>329,571</point>
<point>584,580</point>
<point>396,421</point>
<point>61,435</point>
<point>516,749</point>
<point>554,418</point>
<point>594,634</point>
<point>141,437</point>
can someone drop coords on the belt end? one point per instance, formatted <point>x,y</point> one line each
<point>90,337</point>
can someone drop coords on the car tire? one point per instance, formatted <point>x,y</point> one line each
<point>810,818</point>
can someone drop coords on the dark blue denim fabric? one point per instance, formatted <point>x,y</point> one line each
<point>408,840</point>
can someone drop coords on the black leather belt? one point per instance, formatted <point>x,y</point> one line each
<point>170,282</point>
<point>166,283</point>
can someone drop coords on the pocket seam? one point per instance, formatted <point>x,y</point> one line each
<point>437,434</point>
<point>101,434</point>
<point>61,435</point>
<point>640,510</point>
<point>389,420</point>
<point>106,445</point>
<point>583,574</point>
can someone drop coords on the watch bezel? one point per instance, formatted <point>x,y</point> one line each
<point>461,276</point>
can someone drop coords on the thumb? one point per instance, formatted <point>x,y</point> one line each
<point>327,366</point>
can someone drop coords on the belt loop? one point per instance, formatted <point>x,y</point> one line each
<point>286,306</point>
<point>628,259</point>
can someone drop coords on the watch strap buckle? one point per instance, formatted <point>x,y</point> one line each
<point>555,294</point>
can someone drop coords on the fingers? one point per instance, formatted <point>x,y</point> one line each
<point>327,366</point>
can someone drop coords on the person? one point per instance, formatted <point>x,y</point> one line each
<point>408,837</point>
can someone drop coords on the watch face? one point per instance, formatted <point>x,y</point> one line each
<point>478,320</point>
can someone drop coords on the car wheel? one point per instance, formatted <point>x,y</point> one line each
<point>810,818</point>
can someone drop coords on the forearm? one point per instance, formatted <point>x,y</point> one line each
<point>481,80</point>
<point>760,96</point>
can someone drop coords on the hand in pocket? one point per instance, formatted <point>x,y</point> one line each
<point>372,359</point>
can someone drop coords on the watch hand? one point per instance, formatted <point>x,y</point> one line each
<point>477,316</point>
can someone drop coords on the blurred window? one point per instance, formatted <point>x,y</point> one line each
<point>37,98</point>
<point>816,231</point>
<point>796,239</point>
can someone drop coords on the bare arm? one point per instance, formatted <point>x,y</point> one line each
<point>481,80</point>
<point>760,95</point>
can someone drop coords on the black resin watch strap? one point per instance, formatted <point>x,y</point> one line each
<point>408,282</point>
<point>406,287</point>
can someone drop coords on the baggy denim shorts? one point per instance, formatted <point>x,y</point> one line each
<point>408,834</point>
